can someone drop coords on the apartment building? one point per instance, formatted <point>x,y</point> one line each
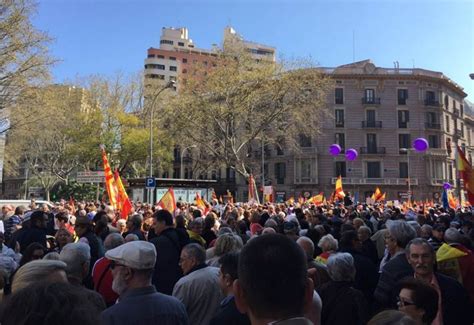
<point>379,112</point>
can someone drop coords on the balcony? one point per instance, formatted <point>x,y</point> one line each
<point>440,181</point>
<point>459,133</point>
<point>434,126</point>
<point>376,181</point>
<point>372,150</point>
<point>432,102</point>
<point>456,112</point>
<point>339,124</point>
<point>372,124</point>
<point>370,101</point>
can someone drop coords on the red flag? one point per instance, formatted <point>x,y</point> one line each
<point>168,201</point>
<point>124,203</point>
<point>467,173</point>
<point>201,204</point>
<point>109,180</point>
<point>72,204</point>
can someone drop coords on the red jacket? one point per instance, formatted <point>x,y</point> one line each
<point>102,277</point>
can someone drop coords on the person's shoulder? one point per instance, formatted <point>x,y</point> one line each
<point>168,300</point>
<point>446,282</point>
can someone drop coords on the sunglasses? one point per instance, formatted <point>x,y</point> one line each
<point>114,264</point>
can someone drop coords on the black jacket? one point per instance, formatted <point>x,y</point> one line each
<point>457,309</point>
<point>228,314</point>
<point>386,292</point>
<point>167,270</point>
<point>342,304</point>
<point>31,235</point>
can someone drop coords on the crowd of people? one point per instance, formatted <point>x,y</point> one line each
<point>242,263</point>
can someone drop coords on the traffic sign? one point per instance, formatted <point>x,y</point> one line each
<point>150,183</point>
<point>91,177</point>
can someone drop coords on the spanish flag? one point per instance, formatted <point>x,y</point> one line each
<point>168,202</point>
<point>124,204</point>
<point>109,179</point>
<point>466,173</point>
<point>317,199</point>
<point>339,193</point>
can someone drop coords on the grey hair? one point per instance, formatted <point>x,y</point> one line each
<point>366,229</point>
<point>113,240</point>
<point>196,222</point>
<point>307,245</point>
<point>452,235</point>
<point>401,231</point>
<point>131,237</point>
<point>329,239</point>
<point>34,272</point>
<point>228,243</point>
<point>196,251</point>
<point>428,228</point>
<point>419,241</point>
<point>51,256</point>
<point>341,267</point>
<point>75,255</point>
<point>416,226</point>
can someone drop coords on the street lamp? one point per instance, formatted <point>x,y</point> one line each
<point>181,156</point>
<point>169,84</point>
<point>407,150</point>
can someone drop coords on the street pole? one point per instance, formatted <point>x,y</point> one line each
<point>181,168</point>
<point>26,182</point>
<point>168,85</point>
<point>408,174</point>
<point>263,169</point>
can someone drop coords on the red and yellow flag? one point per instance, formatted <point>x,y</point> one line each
<point>378,196</point>
<point>317,199</point>
<point>109,180</point>
<point>253,197</point>
<point>201,204</point>
<point>168,201</point>
<point>452,201</point>
<point>466,173</point>
<point>123,202</point>
<point>339,193</point>
<point>230,198</point>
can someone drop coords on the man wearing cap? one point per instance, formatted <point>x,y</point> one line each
<point>139,303</point>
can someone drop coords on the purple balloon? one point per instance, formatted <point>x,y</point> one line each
<point>351,154</point>
<point>420,144</point>
<point>447,186</point>
<point>335,149</point>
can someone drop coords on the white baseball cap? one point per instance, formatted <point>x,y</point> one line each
<point>138,255</point>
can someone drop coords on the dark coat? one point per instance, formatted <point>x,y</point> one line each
<point>167,270</point>
<point>342,304</point>
<point>31,235</point>
<point>457,309</point>
<point>366,274</point>
<point>386,292</point>
<point>369,249</point>
<point>228,314</point>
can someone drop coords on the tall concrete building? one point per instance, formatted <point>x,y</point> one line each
<point>379,112</point>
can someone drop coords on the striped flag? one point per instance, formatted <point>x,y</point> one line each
<point>168,201</point>
<point>339,193</point>
<point>253,197</point>
<point>124,204</point>
<point>466,173</point>
<point>109,179</point>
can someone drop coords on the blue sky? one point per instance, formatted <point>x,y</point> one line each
<point>107,36</point>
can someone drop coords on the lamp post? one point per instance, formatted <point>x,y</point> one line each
<point>181,170</point>
<point>26,182</point>
<point>407,150</point>
<point>169,84</point>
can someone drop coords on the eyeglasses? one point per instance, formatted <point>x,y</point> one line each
<point>404,303</point>
<point>114,264</point>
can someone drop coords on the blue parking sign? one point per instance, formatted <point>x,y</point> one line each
<point>150,183</point>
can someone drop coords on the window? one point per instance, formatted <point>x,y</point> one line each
<point>230,174</point>
<point>151,55</point>
<point>430,96</point>
<point>339,118</point>
<point>371,143</point>
<point>402,96</point>
<point>165,41</point>
<point>403,119</point>
<point>339,95</point>
<point>433,141</point>
<point>160,56</point>
<point>185,71</point>
<point>446,102</point>
<point>172,58</point>
<point>340,169</point>
<point>160,66</point>
<point>403,167</point>
<point>305,141</point>
<point>447,124</point>
<point>462,110</point>
<point>279,147</point>
<point>450,171</point>
<point>180,44</point>
<point>373,169</point>
<point>303,170</point>
<point>404,141</point>
<point>370,114</point>
<point>280,172</point>
<point>370,95</point>
<point>173,68</point>
<point>462,129</point>
<point>176,172</point>
<point>340,140</point>
<point>185,60</point>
